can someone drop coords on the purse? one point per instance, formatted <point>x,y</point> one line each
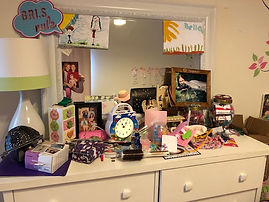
<point>86,151</point>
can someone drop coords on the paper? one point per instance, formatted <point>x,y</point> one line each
<point>169,143</point>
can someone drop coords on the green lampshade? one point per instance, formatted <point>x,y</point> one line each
<point>23,64</point>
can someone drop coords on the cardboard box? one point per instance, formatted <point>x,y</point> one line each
<point>46,157</point>
<point>258,129</point>
<point>62,123</point>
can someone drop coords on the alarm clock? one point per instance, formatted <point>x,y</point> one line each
<point>121,121</point>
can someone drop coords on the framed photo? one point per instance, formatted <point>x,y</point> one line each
<point>265,107</point>
<point>88,116</point>
<point>190,86</point>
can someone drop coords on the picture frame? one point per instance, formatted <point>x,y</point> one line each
<point>190,87</point>
<point>264,113</point>
<point>88,116</point>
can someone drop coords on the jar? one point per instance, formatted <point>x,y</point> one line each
<point>196,115</point>
<point>222,110</point>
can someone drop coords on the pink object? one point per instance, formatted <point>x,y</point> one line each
<point>145,144</point>
<point>65,124</point>
<point>97,133</point>
<point>179,131</point>
<point>154,116</point>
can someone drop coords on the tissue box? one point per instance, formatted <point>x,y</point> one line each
<point>61,123</point>
<point>46,158</point>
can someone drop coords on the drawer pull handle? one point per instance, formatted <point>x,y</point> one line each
<point>243,177</point>
<point>187,186</point>
<point>126,194</point>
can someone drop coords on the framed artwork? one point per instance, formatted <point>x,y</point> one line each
<point>88,116</point>
<point>265,107</point>
<point>190,86</point>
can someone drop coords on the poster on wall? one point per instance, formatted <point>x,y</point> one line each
<point>265,107</point>
<point>181,37</point>
<point>90,31</point>
<point>37,17</point>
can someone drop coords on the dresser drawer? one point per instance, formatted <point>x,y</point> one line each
<point>204,181</point>
<point>244,196</point>
<point>132,188</point>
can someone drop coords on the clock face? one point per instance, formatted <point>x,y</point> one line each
<point>124,128</point>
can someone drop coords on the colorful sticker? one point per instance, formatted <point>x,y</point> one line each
<point>54,136</point>
<point>54,126</point>
<point>68,124</point>
<point>70,133</point>
<point>54,115</point>
<point>69,112</point>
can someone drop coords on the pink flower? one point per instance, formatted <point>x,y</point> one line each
<point>258,64</point>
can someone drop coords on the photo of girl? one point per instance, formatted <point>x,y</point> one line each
<point>190,87</point>
<point>72,80</point>
<point>87,119</point>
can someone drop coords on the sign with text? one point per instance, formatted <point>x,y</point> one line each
<point>37,17</point>
<point>183,37</point>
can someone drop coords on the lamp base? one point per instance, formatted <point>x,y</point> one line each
<point>26,115</point>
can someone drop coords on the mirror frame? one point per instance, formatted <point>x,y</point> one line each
<point>131,9</point>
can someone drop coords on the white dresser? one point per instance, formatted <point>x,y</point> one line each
<point>226,174</point>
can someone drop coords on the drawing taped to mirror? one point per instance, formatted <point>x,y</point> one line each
<point>147,76</point>
<point>181,37</point>
<point>88,31</point>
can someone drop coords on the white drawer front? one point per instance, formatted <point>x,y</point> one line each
<point>133,188</point>
<point>244,196</point>
<point>192,183</point>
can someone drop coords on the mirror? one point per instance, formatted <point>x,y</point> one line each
<point>139,11</point>
<point>134,58</point>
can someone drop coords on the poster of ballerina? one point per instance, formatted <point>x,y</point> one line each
<point>90,31</point>
<point>181,37</point>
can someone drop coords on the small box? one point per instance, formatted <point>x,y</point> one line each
<point>62,123</point>
<point>46,157</point>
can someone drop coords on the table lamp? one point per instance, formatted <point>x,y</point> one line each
<point>24,66</point>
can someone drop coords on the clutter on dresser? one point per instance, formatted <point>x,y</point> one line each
<point>46,157</point>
